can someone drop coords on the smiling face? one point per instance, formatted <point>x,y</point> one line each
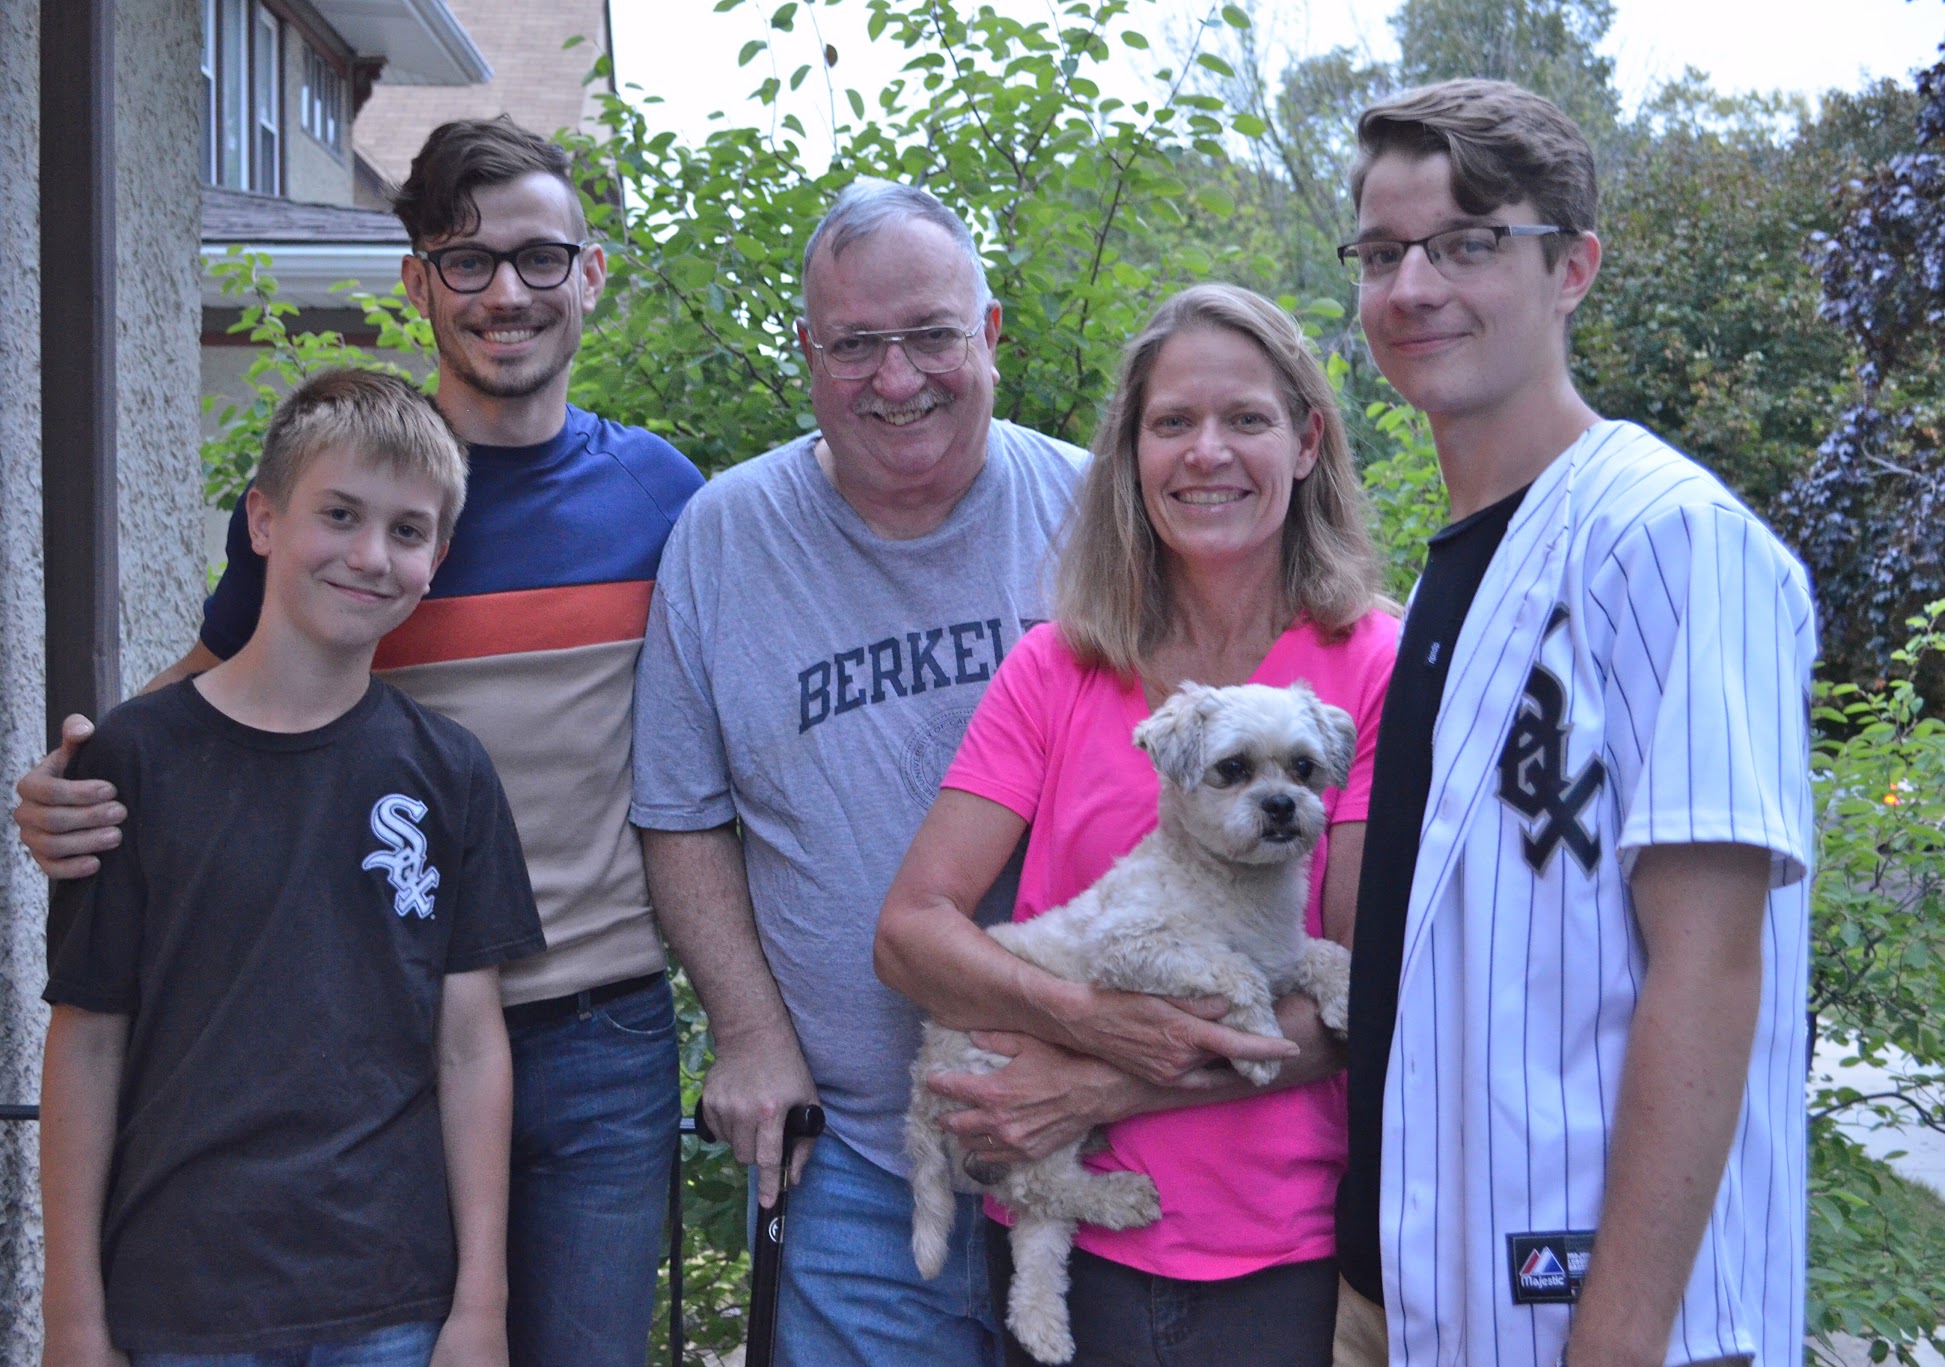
<point>901,435</point>
<point>1488,348</point>
<point>352,552</point>
<point>1218,450</point>
<point>511,342</point>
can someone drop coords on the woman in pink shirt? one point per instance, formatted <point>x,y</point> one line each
<point>1220,537</point>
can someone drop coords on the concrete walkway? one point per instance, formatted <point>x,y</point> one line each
<point>1923,1159</point>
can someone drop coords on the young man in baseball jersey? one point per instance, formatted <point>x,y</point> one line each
<point>1577,1010</point>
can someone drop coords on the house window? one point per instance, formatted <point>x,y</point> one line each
<point>266,70</point>
<point>242,96</point>
<point>320,103</point>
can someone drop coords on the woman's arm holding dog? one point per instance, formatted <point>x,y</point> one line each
<point>929,949</point>
<point>1050,1096</point>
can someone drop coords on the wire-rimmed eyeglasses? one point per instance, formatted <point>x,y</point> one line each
<point>1454,254</point>
<point>932,350</point>
<point>470,269</point>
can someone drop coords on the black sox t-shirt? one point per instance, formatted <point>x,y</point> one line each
<point>277,924</point>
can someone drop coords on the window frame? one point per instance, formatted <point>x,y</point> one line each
<point>322,96</point>
<point>243,96</point>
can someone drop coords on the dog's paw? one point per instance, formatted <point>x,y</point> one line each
<point>1260,1073</point>
<point>1043,1331</point>
<point>1335,1013</point>
<point>1129,1201</point>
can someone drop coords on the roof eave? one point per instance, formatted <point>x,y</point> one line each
<point>421,41</point>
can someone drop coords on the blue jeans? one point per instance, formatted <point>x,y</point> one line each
<point>398,1345</point>
<point>596,1110</point>
<point>850,1294</point>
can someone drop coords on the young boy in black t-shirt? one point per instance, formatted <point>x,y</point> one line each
<point>276,1099</point>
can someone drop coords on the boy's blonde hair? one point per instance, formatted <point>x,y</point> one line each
<point>1111,586</point>
<point>381,419</point>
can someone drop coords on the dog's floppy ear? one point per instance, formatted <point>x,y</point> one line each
<point>1340,740</point>
<point>1173,735</point>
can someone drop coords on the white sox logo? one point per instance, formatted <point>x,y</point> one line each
<point>393,821</point>
<point>1533,778</point>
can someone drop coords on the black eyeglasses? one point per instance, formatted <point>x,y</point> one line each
<point>1455,254</point>
<point>469,270</point>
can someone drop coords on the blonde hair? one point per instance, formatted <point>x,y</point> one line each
<point>379,418</point>
<point>1111,594</point>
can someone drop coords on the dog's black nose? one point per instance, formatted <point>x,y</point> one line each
<point>1280,807</point>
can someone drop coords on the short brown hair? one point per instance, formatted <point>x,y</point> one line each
<point>379,418</point>
<point>459,158</point>
<point>1506,145</point>
<point>1111,592</point>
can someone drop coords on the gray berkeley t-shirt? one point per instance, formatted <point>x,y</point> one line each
<point>813,679</point>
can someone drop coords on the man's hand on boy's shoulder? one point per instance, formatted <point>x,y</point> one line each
<point>64,823</point>
<point>67,823</point>
<point>80,1346</point>
<point>472,1337</point>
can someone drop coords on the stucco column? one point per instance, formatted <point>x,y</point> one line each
<point>22,657</point>
<point>158,321</point>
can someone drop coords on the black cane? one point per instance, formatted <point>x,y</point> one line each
<point>677,1342</point>
<point>766,1255</point>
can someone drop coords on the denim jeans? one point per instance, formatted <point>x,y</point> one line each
<point>398,1345</point>
<point>595,1116</point>
<point>850,1294</point>
<point>1279,1317</point>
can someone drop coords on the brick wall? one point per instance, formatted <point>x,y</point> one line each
<point>534,78</point>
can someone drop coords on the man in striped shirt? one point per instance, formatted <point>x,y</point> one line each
<point>528,638</point>
<point>1577,1054</point>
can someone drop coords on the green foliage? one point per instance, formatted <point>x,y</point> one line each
<point>1877,1243</point>
<point>1551,46</point>
<point>230,454</point>
<point>1877,977</point>
<point>1074,195</point>
<point>1704,324</point>
<point>1866,513</point>
<point>1408,502</point>
<point>715,1254</point>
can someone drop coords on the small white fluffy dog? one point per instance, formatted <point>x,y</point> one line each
<point>1210,903</point>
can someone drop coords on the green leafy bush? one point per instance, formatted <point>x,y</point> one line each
<point>230,454</point>
<point>715,1254</point>
<point>1408,502</point>
<point>1876,980</point>
<point>1074,195</point>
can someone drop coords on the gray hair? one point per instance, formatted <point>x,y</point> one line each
<point>868,204</point>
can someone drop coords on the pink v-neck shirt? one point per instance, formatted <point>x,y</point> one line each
<point>1244,1184</point>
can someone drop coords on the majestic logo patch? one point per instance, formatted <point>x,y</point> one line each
<point>394,821</point>
<point>1533,777</point>
<point>1548,1269</point>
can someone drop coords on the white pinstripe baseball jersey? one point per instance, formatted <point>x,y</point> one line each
<point>1634,671</point>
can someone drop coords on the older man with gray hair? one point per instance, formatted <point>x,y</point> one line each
<point>825,621</point>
